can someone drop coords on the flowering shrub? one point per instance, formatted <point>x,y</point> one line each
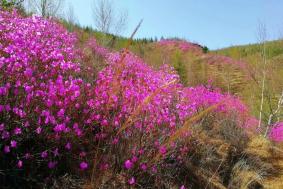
<point>40,95</point>
<point>97,49</point>
<point>182,45</point>
<point>276,133</point>
<point>49,111</point>
<point>225,60</point>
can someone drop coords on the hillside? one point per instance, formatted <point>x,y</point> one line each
<point>82,109</point>
<point>236,70</point>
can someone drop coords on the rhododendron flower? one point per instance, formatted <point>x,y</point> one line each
<point>154,169</point>
<point>27,155</point>
<point>2,127</point>
<point>162,150</point>
<point>20,164</point>
<point>28,72</point>
<point>132,181</point>
<point>143,166</point>
<point>7,149</point>
<point>18,131</point>
<point>5,135</point>
<point>38,130</point>
<point>134,159</point>
<point>68,146</point>
<point>13,143</point>
<point>276,132</point>
<point>44,154</point>
<point>56,152</point>
<point>115,141</point>
<point>83,165</point>
<point>82,154</point>
<point>128,164</point>
<point>61,113</point>
<point>52,164</point>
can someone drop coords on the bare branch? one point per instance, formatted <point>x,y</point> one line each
<point>262,35</point>
<point>275,113</point>
<point>46,8</point>
<point>70,15</point>
<point>106,19</point>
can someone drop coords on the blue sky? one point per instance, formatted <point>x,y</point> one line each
<point>214,23</point>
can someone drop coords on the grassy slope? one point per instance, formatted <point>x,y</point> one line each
<point>252,55</point>
<point>241,75</point>
<point>196,68</point>
<point>258,156</point>
<point>247,167</point>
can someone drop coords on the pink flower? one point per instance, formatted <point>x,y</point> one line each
<point>61,113</point>
<point>143,167</point>
<point>20,164</point>
<point>44,154</point>
<point>276,132</point>
<point>154,169</point>
<point>132,181</point>
<point>182,187</point>
<point>135,159</point>
<point>162,150</point>
<point>68,146</point>
<point>13,143</point>
<point>28,72</point>
<point>56,152</point>
<point>38,130</point>
<point>52,164</point>
<point>27,156</point>
<point>115,141</point>
<point>128,164</point>
<point>7,149</point>
<point>82,154</point>
<point>18,131</point>
<point>2,126</point>
<point>104,122</point>
<point>59,128</point>
<point>83,165</point>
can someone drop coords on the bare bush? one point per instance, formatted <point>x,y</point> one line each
<point>46,8</point>
<point>107,19</point>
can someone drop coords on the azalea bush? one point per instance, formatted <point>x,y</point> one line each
<point>276,133</point>
<point>57,116</point>
<point>182,45</point>
<point>42,99</point>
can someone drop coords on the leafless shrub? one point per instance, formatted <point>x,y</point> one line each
<point>46,8</point>
<point>107,19</point>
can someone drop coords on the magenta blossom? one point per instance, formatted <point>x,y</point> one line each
<point>7,149</point>
<point>132,181</point>
<point>52,164</point>
<point>68,146</point>
<point>162,150</point>
<point>83,165</point>
<point>13,143</point>
<point>44,154</point>
<point>128,164</point>
<point>20,164</point>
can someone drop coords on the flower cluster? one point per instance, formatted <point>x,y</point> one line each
<point>276,133</point>
<point>96,48</point>
<point>44,98</point>
<point>183,45</point>
<point>220,59</point>
<point>40,94</point>
<point>128,86</point>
